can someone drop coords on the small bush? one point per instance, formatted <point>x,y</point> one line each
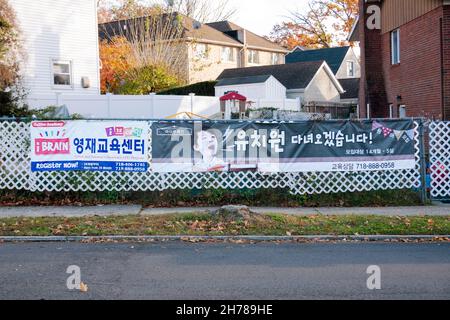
<point>141,81</point>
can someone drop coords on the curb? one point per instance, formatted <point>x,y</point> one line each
<point>369,238</point>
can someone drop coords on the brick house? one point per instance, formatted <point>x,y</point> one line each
<point>405,58</point>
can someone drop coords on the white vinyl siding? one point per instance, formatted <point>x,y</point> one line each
<point>343,72</point>
<point>271,89</point>
<point>321,89</point>
<point>64,31</point>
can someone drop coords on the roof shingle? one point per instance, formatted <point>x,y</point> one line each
<point>292,76</point>
<point>351,87</point>
<point>190,29</point>
<point>242,80</point>
<point>333,56</point>
<point>253,40</point>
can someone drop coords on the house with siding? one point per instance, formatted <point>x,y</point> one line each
<point>343,61</point>
<point>60,40</point>
<point>209,48</point>
<point>405,58</point>
<point>308,81</point>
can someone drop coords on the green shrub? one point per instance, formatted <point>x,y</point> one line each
<point>200,89</point>
<point>146,80</point>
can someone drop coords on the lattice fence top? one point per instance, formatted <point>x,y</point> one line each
<point>440,159</point>
<point>15,173</point>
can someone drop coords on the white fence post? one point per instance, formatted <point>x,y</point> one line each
<point>152,105</point>
<point>299,104</point>
<point>192,95</point>
<point>108,101</point>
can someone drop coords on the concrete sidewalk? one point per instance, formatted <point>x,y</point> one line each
<point>438,209</point>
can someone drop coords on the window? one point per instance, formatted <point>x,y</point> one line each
<point>275,58</point>
<point>62,73</point>
<point>201,51</point>
<point>395,46</point>
<point>253,56</point>
<point>227,54</point>
<point>402,111</point>
<point>350,68</point>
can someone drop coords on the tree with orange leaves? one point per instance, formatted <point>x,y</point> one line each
<point>116,59</point>
<point>324,24</point>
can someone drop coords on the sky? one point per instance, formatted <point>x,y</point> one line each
<point>259,16</point>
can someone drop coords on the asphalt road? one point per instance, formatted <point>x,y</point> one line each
<point>225,271</point>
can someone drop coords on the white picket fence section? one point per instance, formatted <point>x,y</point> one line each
<point>15,173</point>
<point>146,106</point>
<point>440,159</point>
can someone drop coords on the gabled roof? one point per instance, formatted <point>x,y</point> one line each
<point>354,33</point>
<point>351,87</point>
<point>253,40</point>
<point>333,56</point>
<point>242,80</point>
<point>292,76</point>
<point>191,29</point>
<point>299,48</point>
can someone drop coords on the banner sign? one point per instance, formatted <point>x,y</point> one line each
<point>89,146</point>
<point>283,147</point>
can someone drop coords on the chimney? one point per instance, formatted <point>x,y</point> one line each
<point>242,37</point>
<point>372,90</point>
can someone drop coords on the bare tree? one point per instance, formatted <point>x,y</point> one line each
<point>160,33</point>
<point>204,10</point>
<point>199,10</point>
<point>154,40</point>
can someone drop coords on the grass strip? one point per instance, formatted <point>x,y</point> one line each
<point>207,225</point>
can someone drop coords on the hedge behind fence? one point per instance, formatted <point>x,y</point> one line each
<point>200,89</point>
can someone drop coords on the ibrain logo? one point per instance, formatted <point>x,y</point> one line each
<point>52,140</point>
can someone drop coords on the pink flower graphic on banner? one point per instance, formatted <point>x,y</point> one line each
<point>387,132</point>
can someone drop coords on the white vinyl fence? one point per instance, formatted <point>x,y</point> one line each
<point>15,173</point>
<point>284,104</point>
<point>146,106</point>
<point>129,107</point>
<point>440,159</point>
